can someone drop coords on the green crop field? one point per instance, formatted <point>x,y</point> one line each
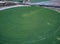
<point>29,25</point>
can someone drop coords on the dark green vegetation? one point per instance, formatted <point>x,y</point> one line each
<point>29,25</point>
<point>32,0</point>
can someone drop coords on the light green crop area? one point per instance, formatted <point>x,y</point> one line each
<point>29,25</point>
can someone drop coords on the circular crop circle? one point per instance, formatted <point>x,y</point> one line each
<point>29,25</point>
